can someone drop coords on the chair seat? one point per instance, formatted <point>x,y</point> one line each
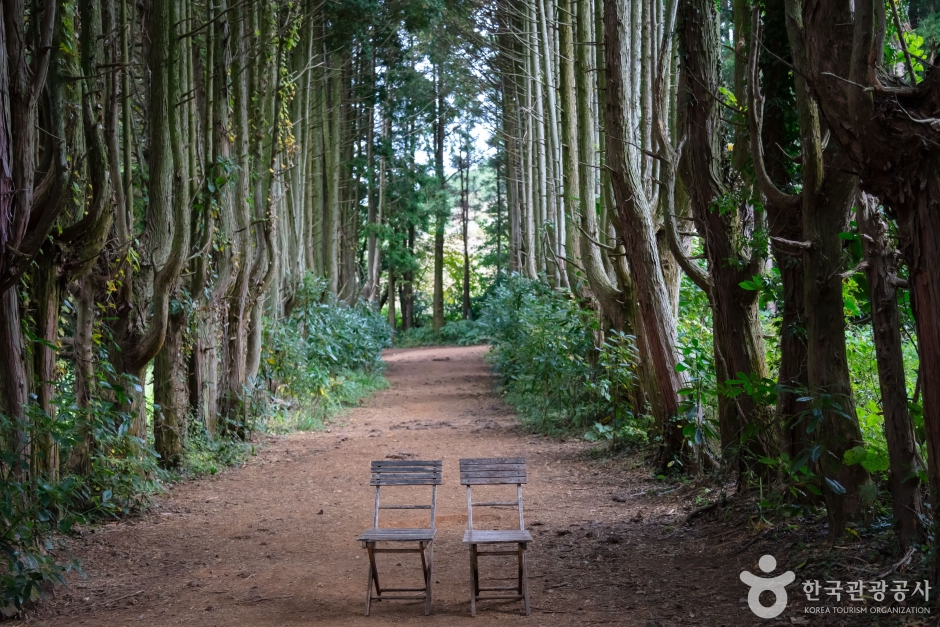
<point>496,536</point>
<point>397,535</point>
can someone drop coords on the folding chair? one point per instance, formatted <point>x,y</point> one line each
<point>402,473</point>
<point>496,471</point>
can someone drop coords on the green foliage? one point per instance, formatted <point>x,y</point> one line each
<point>543,350</point>
<point>205,455</point>
<point>36,507</point>
<point>324,356</point>
<point>453,333</point>
<point>346,391</point>
<point>310,356</point>
<point>700,397</point>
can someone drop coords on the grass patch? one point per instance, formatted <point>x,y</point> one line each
<point>206,455</point>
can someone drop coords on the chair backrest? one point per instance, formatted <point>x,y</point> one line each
<point>493,471</point>
<point>405,473</point>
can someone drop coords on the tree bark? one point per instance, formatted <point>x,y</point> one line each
<point>569,142</point>
<point>442,206</point>
<point>777,113</point>
<point>465,229</point>
<point>606,292</point>
<point>739,346</point>
<point>636,230</point>
<point>881,271</point>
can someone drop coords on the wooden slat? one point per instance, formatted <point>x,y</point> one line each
<point>496,536</point>
<point>492,480</point>
<point>406,470</point>
<point>493,473</point>
<point>407,462</point>
<point>492,460</point>
<point>497,504</point>
<point>408,475</point>
<point>426,468</point>
<point>493,467</point>
<point>412,481</point>
<point>397,535</point>
<point>399,550</point>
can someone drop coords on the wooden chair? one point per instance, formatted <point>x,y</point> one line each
<point>402,473</point>
<point>496,471</point>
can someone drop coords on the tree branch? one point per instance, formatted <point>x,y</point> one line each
<point>783,243</point>
<point>607,247</point>
<point>755,107</point>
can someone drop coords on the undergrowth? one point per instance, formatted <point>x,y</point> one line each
<point>347,390</point>
<point>323,357</point>
<point>453,333</point>
<point>559,381</point>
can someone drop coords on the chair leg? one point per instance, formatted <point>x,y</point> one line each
<point>521,586</point>
<point>525,580</point>
<point>428,577</point>
<point>371,576</point>
<point>476,569</point>
<point>473,580</point>
<point>424,563</point>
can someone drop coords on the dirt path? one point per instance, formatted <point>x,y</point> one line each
<point>274,543</point>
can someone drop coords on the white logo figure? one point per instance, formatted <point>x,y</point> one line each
<point>774,584</point>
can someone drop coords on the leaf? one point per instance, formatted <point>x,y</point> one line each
<point>854,456</point>
<point>875,462</point>
<point>835,486</point>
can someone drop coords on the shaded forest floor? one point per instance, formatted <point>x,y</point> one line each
<point>273,543</point>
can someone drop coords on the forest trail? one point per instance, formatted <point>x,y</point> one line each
<point>249,548</point>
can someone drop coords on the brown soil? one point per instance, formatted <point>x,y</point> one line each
<point>273,543</point>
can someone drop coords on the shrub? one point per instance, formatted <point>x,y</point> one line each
<point>36,508</point>
<point>453,333</point>
<point>324,352</point>
<point>543,349</point>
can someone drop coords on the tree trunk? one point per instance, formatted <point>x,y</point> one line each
<point>13,393</point>
<point>392,321</point>
<point>235,353</point>
<point>171,394</point>
<point>408,292</point>
<point>636,230</point>
<point>85,387</point>
<point>583,153</point>
<point>827,201</point>
<point>785,223</point>
<point>442,205</point>
<point>739,345</point>
<point>333,148</point>
<point>47,294</point>
<point>881,271</point>
<point>465,224</point>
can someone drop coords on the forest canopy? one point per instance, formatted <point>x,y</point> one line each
<point>704,228</point>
